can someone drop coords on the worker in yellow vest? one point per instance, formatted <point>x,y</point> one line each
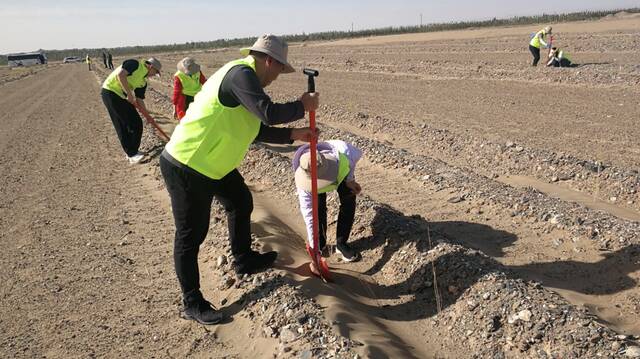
<point>187,82</point>
<point>336,165</point>
<point>88,61</point>
<point>122,91</point>
<point>559,58</point>
<point>539,39</point>
<point>201,161</point>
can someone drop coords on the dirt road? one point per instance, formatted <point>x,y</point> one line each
<point>86,239</point>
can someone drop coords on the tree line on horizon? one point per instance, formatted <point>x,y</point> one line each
<point>96,53</point>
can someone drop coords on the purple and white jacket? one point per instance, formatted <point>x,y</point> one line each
<point>333,147</point>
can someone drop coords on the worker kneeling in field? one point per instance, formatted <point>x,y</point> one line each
<point>122,91</point>
<point>559,58</point>
<point>336,171</point>
<point>187,82</point>
<point>201,161</point>
<point>537,41</point>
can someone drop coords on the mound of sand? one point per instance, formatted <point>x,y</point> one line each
<point>621,15</point>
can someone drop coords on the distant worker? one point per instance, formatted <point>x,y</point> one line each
<point>110,61</point>
<point>336,164</point>
<point>537,41</point>
<point>122,91</point>
<point>559,58</point>
<point>104,59</point>
<point>187,82</point>
<point>88,61</point>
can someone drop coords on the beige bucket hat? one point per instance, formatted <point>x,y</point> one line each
<point>327,171</point>
<point>188,66</point>
<point>273,46</point>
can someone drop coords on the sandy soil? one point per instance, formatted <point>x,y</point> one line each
<point>461,137</point>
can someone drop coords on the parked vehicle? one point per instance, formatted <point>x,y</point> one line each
<point>27,59</point>
<point>71,59</point>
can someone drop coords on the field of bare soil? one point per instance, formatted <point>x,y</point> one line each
<point>500,214</point>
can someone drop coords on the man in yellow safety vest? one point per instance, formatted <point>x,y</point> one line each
<point>122,91</point>
<point>200,161</point>
<point>538,40</point>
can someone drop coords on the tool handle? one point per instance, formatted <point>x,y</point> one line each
<point>311,85</point>
<point>311,74</point>
<point>321,265</point>
<point>153,123</point>
<point>314,186</point>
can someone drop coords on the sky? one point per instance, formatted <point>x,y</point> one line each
<point>28,25</point>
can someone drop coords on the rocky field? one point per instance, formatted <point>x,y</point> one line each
<point>500,214</point>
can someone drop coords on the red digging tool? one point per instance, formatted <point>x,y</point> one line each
<point>316,257</point>
<point>153,123</point>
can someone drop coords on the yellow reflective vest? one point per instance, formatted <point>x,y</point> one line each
<point>211,138</point>
<point>563,55</point>
<point>190,83</point>
<point>535,42</point>
<point>343,171</point>
<point>137,79</point>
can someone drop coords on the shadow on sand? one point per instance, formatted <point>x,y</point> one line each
<point>355,298</point>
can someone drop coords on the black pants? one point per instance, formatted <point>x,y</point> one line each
<point>562,63</point>
<point>126,121</point>
<point>187,100</point>
<point>536,55</point>
<point>565,63</point>
<point>345,216</point>
<point>191,196</point>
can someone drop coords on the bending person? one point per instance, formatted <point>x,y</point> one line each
<point>537,41</point>
<point>559,58</point>
<point>336,172</point>
<point>122,91</point>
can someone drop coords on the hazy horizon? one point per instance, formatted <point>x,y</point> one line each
<point>66,24</point>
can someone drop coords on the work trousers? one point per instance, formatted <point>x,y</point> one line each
<point>345,215</point>
<point>536,55</point>
<point>191,196</point>
<point>126,121</point>
<point>187,100</point>
<point>561,63</point>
